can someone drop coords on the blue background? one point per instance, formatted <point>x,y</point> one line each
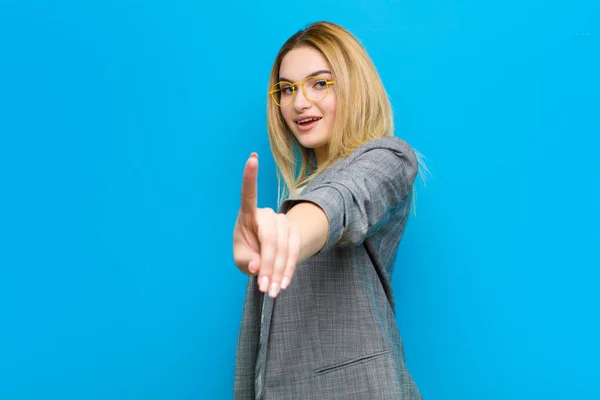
<point>124,128</point>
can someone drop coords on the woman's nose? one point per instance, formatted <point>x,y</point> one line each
<point>300,100</point>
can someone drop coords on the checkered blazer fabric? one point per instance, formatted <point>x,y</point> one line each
<point>332,334</point>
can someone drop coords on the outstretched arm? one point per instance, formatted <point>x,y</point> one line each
<point>314,226</point>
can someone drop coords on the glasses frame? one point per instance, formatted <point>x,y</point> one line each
<point>293,85</point>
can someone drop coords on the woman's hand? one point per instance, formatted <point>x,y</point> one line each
<point>264,241</point>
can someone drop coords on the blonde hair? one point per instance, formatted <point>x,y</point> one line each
<point>363,110</point>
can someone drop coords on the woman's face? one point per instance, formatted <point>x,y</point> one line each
<point>310,122</point>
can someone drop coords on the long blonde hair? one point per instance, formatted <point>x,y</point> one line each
<point>363,110</point>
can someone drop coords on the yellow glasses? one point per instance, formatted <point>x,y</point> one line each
<point>315,89</point>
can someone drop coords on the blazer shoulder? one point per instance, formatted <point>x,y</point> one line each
<point>390,153</point>
<point>389,144</point>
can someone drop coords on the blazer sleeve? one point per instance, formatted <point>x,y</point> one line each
<point>359,198</point>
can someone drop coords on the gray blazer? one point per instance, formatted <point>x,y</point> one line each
<point>332,333</point>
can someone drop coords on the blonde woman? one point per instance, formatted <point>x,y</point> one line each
<point>319,320</point>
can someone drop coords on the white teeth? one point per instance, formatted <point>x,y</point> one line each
<point>302,121</point>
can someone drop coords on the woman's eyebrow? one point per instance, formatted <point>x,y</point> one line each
<point>321,71</point>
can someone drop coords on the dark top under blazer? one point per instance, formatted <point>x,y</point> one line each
<point>332,334</point>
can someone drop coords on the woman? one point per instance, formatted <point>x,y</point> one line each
<point>319,318</point>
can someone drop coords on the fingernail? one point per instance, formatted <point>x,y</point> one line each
<point>285,282</point>
<point>264,284</point>
<point>274,289</point>
<point>254,155</point>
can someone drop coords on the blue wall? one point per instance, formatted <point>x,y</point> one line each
<point>124,128</point>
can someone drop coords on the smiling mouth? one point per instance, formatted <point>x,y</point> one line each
<point>307,121</point>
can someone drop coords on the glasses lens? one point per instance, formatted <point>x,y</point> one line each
<point>283,93</point>
<point>316,88</point>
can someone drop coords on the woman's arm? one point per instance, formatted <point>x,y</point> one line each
<point>345,208</point>
<point>359,198</point>
<point>314,227</point>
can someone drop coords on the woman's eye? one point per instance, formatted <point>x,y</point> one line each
<point>287,90</point>
<point>320,84</point>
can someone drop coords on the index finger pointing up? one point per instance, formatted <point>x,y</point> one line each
<point>249,190</point>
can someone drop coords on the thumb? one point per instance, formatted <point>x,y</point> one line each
<point>254,264</point>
